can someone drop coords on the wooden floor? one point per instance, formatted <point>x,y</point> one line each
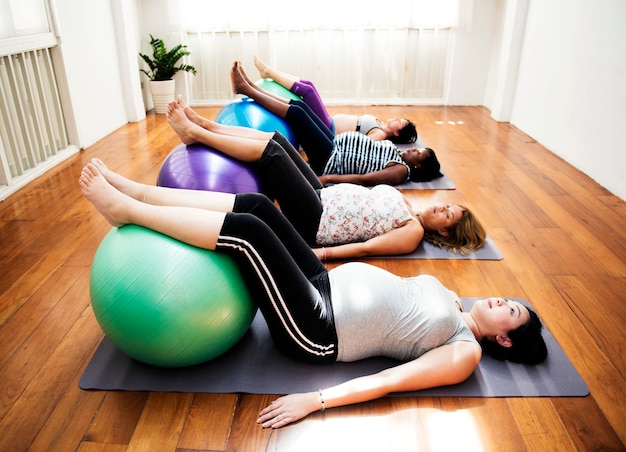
<point>564,243</point>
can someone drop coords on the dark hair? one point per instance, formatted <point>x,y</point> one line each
<point>406,135</point>
<point>528,344</point>
<point>428,170</point>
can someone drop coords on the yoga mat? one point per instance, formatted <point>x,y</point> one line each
<point>441,183</point>
<point>426,250</point>
<point>255,366</point>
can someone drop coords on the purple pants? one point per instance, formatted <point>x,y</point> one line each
<point>307,91</point>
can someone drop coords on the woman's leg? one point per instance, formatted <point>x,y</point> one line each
<point>222,129</point>
<point>303,88</point>
<point>293,294</point>
<point>314,118</point>
<point>309,94</point>
<point>165,196</point>
<point>282,78</point>
<point>317,142</point>
<point>241,84</point>
<point>297,196</point>
<point>295,156</point>
<point>295,191</point>
<point>197,227</point>
<point>245,149</point>
<point>315,139</point>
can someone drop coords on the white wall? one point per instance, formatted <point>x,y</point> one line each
<point>571,89</point>
<point>95,97</point>
<point>471,55</point>
<point>569,93</point>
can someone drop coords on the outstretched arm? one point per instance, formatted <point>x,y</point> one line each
<point>445,365</point>
<point>401,240</point>
<point>391,175</point>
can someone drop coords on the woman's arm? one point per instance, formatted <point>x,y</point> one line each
<point>445,365</point>
<point>401,240</point>
<point>391,175</point>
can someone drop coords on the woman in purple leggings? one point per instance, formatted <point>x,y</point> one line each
<point>396,130</point>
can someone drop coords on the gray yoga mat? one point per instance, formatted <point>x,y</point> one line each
<point>441,183</point>
<point>255,366</point>
<point>488,252</point>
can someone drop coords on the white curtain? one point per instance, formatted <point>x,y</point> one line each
<point>202,15</point>
<point>393,53</point>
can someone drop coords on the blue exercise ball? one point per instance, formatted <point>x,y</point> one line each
<point>166,303</point>
<point>198,167</point>
<point>247,113</point>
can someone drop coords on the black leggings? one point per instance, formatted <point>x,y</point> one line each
<point>285,278</point>
<point>312,134</point>
<point>288,179</point>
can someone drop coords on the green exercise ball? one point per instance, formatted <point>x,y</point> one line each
<point>166,303</point>
<point>276,88</point>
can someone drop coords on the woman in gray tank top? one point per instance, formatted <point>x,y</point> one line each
<point>355,311</point>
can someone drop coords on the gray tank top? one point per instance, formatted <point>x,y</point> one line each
<point>380,314</point>
<point>365,124</point>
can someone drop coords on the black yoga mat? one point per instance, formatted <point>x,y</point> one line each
<point>255,366</point>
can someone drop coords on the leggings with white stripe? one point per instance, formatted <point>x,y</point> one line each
<point>284,277</point>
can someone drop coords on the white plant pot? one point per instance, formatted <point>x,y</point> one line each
<point>163,93</point>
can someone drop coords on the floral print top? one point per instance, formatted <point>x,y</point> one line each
<point>353,213</point>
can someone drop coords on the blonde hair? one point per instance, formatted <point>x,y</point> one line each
<point>464,237</point>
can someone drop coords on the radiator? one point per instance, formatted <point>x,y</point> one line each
<point>32,128</point>
<point>348,66</point>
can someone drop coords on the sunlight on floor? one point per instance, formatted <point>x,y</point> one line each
<point>421,428</point>
<point>453,431</point>
<point>359,433</point>
<point>452,123</point>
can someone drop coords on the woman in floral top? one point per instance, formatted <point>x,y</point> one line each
<point>341,221</point>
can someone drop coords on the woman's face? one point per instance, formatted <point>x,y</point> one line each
<point>415,156</point>
<point>395,125</point>
<point>498,316</point>
<point>440,217</point>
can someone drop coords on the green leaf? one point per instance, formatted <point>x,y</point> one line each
<point>162,64</point>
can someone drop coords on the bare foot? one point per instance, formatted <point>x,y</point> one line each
<point>262,67</point>
<point>243,75</point>
<point>178,120</point>
<point>105,198</point>
<point>128,187</point>
<point>238,83</point>
<point>189,112</point>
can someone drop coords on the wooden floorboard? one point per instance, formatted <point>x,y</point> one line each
<point>562,235</point>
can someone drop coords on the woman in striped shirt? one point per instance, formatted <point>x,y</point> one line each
<point>379,221</point>
<point>350,156</point>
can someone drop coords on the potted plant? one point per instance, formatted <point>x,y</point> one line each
<point>162,68</point>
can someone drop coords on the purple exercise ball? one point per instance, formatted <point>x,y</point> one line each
<point>198,167</point>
